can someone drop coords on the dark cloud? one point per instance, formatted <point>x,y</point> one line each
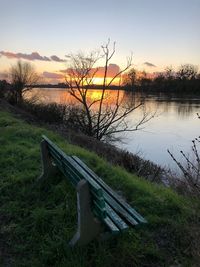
<point>57,59</point>
<point>148,64</point>
<point>52,75</point>
<point>32,56</point>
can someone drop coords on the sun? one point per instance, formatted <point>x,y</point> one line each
<point>99,80</point>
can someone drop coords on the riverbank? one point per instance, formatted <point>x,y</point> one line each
<point>49,116</point>
<point>36,224</point>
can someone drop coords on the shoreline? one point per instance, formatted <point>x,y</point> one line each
<point>116,156</point>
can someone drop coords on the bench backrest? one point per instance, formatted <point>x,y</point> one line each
<point>107,205</point>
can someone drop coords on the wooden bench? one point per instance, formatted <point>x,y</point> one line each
<point>100,209</point>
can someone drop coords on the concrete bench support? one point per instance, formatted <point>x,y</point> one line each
<point>88,226</point>
<point>47,166</point>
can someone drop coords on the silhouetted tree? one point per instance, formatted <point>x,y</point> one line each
<point>187,72</point>
<point>23,77</point>
<point>143,80</point>
<point>96,117</point>
<point>130,78</point>
<point>169,73</point>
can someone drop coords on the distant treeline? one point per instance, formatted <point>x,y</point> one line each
<point>49,85</point>
<point>185,80</point>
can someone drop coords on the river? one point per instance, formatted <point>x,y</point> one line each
<point>173,127</point>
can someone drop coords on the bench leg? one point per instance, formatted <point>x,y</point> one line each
<point>88,226</point>
<point>47,167</point>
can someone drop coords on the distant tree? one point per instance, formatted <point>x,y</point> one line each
<point>130,77</point>
<point>169,73</point>
<point>159,79</point>
<point>97,117</point>
<point>187,72</point>
<point>22,76</point>
<point>143,79</point>
<point>4,87</point>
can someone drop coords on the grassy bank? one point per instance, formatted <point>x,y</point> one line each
<point>37,223</point>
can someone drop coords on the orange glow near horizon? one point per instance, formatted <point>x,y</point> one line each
<point>99,81</point>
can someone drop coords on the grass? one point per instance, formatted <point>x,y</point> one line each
<point>37,222</point>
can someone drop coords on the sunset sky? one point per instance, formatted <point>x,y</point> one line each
<point>158,32</point>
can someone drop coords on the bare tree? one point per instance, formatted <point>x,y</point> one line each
<point>187,72</point>
<point>97,117</point>
<point>23,77</point>
<point>190,169</point>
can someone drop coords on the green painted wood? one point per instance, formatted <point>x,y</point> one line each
<point>67,173</point>
<point>108,222</point>
<point>113,228</point>
<point>49,142</point>
<point>114,195</point>
<point>96,193</point>
<point>116,219</point>
<point>71,171</point>
<point>67,160</point>
<point>100,210</point>
<point>84,174</point>
<point>119,209</point>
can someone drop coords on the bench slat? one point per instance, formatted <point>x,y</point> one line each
<point>119,209</point>
<point>68,160</point>
<point>73,177</point>
<point>115,218</point>
<point>113,228</point>
<point>59,162</point>
<point>116,198</point>
<point>108,222</point>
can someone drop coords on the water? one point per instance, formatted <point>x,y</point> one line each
<point>173,127</point>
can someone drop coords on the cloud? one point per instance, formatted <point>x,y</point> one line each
<point>64,71</point>
<point>112,70</point>
<point>32,56</point>
<point>57,59</point>
<point>52,75</point>
<point>148,64</point>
